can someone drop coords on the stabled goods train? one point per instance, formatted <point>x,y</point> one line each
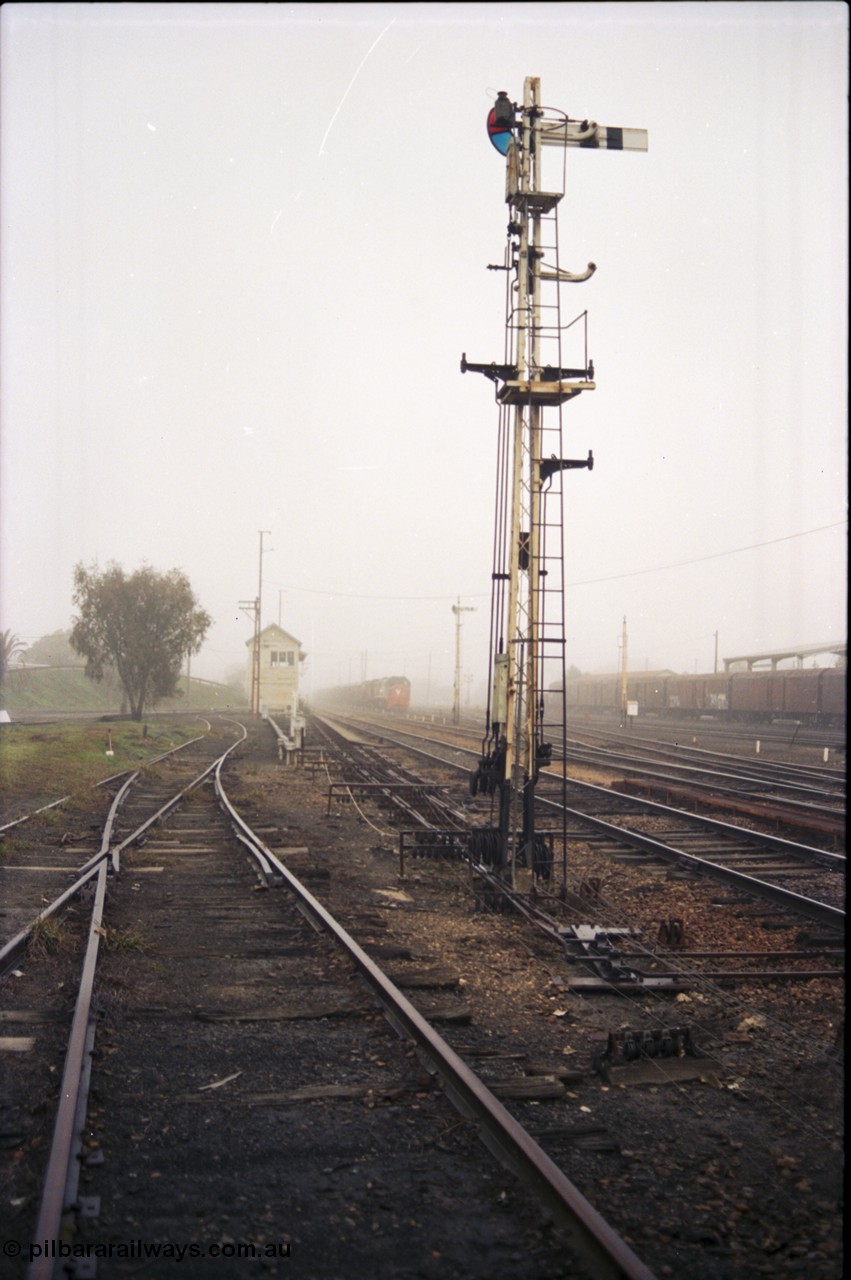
<point>389,693</point>
<point>814,697</point>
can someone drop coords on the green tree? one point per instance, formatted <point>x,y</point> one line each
<point>10,646</point>
<point>54,650</point>
<point>142,625</point>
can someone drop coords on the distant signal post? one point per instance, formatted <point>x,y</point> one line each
<point>546,366</point>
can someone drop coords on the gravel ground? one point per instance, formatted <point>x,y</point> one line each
<point>251,1113</point>
<point>734,1171</point>
<point>720,1167</point>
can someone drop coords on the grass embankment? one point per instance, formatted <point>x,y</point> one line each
<point>42,763</point>
<point>67,689</point>
<point>56,689</point>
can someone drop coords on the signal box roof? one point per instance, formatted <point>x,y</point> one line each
<point>274,632</point>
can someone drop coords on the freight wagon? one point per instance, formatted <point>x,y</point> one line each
<point>815,696</point>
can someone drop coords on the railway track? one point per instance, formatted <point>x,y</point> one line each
<point>599,948</point>
<point>743,1029</point>
<point>823,780</point>
<point>778,737</point>
<point>813,801</point>
<point>796,877</point>
<point>152,1138</point>
<point>775,794</point>
<point>208,1110</point>
<point>57,951</point>
<point>780,740</point>
<point>806,799</point>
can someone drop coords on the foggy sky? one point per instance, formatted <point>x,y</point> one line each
<point>244,247</point>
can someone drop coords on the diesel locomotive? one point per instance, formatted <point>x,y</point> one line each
<point>388,693</point>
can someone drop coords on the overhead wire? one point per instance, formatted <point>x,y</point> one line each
<point>584,582</point>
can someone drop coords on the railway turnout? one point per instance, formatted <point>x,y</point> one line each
<point>146,1113</point>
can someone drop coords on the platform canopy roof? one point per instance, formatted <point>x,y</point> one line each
<point>801,651</point>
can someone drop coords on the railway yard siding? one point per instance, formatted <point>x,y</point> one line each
<point>816,696</point>
<point>247,1092</point>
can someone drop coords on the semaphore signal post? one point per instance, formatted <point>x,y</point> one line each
<point>545,366</point>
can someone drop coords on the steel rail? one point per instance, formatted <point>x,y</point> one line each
<point>808,852</point>
<point>638,979</point>
<point>681,772</point>
<point>116,850</point>
<point>596,1242</point>
<point>103,782</point>
<point>641,981</point>
<point>810,908</point>
<point>610,745</point>
<point>792,847</point>
<point>785,812</point>
<point>71,1111</point>
<point>12,949</point>
<point>89,869</point>
<point>770,771</point>
<point>87,872</point>
<point>773,735</point>
<point>392,783</point>
<point>53,1200</point>
<point>54,804</point>
<point>26,817</point>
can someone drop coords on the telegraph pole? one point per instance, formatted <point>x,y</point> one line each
<point>252,608</point>
<point>458,609</point>
<point>255,702</point>
<point>624,675</point>
<point>528,638</point>
<point>268,533</point>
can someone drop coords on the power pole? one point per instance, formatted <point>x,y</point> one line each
<point>458,609</point>
<point>255,661</point>
<point>252,608</point>
<point>528,633</point>
<point>624,675</point>
<point>255,705</point>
